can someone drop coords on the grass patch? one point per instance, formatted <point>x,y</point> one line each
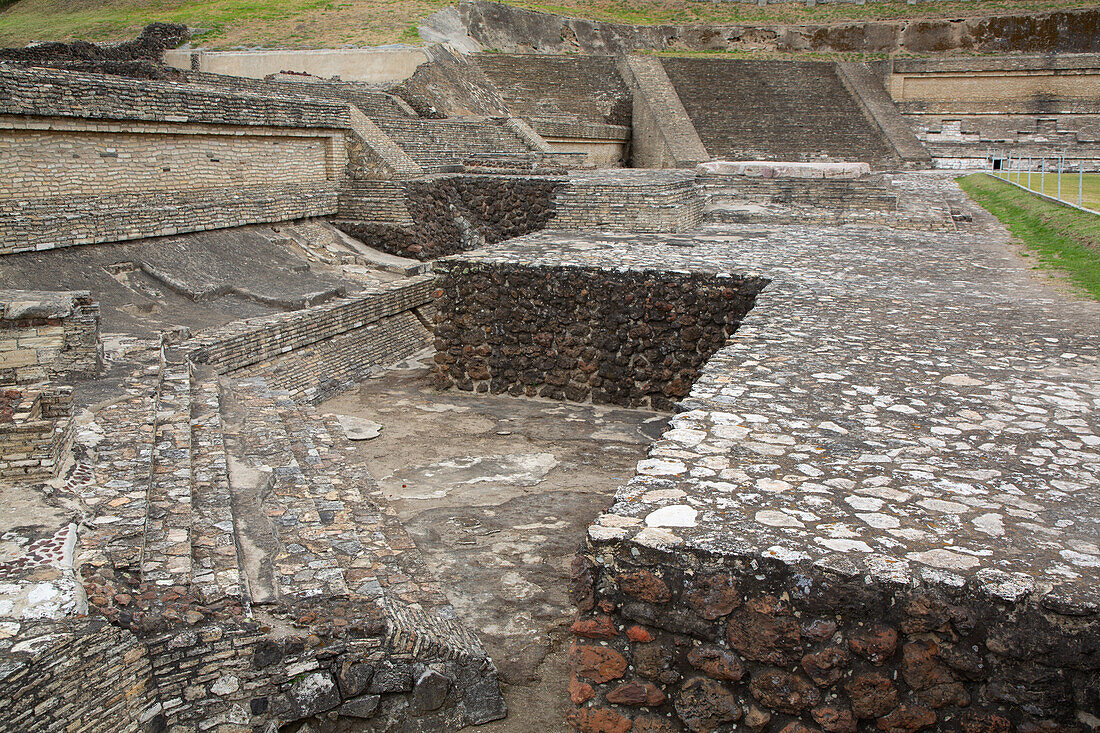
<point>1090,186</point>
<point>330,23</point>
<point>1063,239</point>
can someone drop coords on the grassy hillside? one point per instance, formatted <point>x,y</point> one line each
<point>1059,238</point>
<point>327,23</point>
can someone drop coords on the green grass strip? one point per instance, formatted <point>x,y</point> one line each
<point>1064,239</point>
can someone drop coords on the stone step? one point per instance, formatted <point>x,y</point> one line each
<point>215,572</point>
<point>166,550</point>
<point>379,558</point>
<point>118,496</point>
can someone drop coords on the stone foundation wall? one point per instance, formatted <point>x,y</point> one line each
<point>48,335</point>
<point>671,641</point>
<point>456,213</point>
<point>84,672</point>
<point>629,201</point>
<point>35,427</point>
<point>92,158</point>
<point>634,338</point>
<point>825,193</point>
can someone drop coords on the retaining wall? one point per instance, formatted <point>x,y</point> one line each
<point>34,430</point>
<point>633,338</point>
<point>89,158</point>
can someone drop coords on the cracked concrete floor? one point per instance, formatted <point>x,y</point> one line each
<point>497,493</point>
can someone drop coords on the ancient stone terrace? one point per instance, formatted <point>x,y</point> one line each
<point>876,504</point>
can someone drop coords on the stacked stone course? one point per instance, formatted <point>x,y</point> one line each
<point>684,641</point>
<point>35,429</point>
<point>633,338</point>
<point>48,336</point>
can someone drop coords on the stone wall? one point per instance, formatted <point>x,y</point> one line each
<point>90,158</point>
<point>455,213</point>
<point>86,673</point>
<point>677,640</point>
<point>518,30</point>
<point>629,201</point>
<point>635,338</point>
<point>252,341</point>
<point>52,335</point>
<point>35,427</point>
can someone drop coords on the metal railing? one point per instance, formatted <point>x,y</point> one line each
<point>1033,174</point>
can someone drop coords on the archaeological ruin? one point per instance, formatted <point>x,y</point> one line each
<point>537,380</point>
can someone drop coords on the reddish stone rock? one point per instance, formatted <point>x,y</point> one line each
<point>579,692</point>
<point>875,643</point>
<point>906,718</point>
<point>935,683</point>
<point>596,663</point>
<point>644,586</point>
<point>653,724</point>
<point>639,634</point>
<point>713,595</point>
<point>599,720</point>
<point>796,727</point>
<point>582,583</point>
<point>871,695</point>
<point>704,704</point>
<point>606,606</point>
<point>975,721</point>
<point>600,627</point>
<point>763,631</point>
<point>780,690</point>
<point>719,663</point>
<point>835,718</point>
<point>826,666</point>
<point>636,693</point>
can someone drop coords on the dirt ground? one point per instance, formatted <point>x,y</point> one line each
<point>497,493</point>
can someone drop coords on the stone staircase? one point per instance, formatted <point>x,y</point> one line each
<point>442,146</point>
<point>776,110</point>
<point>217,499</point>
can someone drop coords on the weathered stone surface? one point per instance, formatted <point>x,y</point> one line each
<point>580,692</point>
<point>703,705</point>
<point>780,690</point>
<point>314,694</point>
<point>354,677</point>
<point>600,627</point>
<point>906,718</point>
<point>391,677</point>
<point>599,720</point>
<point>596,663</point>
<point>364,706</point>
<point>835,718</point>
<point>430,690</point>
<point>716,662</point>
<point>763,631</point>
<point>875,643</point>
<point>636,694</point>
<point>644,586</point>
<point>826,666</point>
<point>934,682</point>
<point>871,695</point>
<point>712,595</point>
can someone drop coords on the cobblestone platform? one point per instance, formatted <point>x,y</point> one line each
<point>876,507</point>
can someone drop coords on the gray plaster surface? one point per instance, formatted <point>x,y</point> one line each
<point>916,406</point>
<point>497,493</point>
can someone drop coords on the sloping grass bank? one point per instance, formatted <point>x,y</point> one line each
<point>329,23</point>
<point>1063,239</point>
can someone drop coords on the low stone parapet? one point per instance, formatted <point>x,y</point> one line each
<point>792,169</point>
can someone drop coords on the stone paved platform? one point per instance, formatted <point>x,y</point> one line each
<point>906,412</point>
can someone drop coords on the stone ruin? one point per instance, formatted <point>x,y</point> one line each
<point>873,506</point>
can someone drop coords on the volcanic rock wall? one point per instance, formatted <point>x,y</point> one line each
<point>634,338</point>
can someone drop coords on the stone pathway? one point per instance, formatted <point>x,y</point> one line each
<point>913,404</point>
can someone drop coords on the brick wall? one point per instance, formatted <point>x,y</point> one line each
<point>34,430</point>
<point>89,158</point>
<point>634,201</point>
